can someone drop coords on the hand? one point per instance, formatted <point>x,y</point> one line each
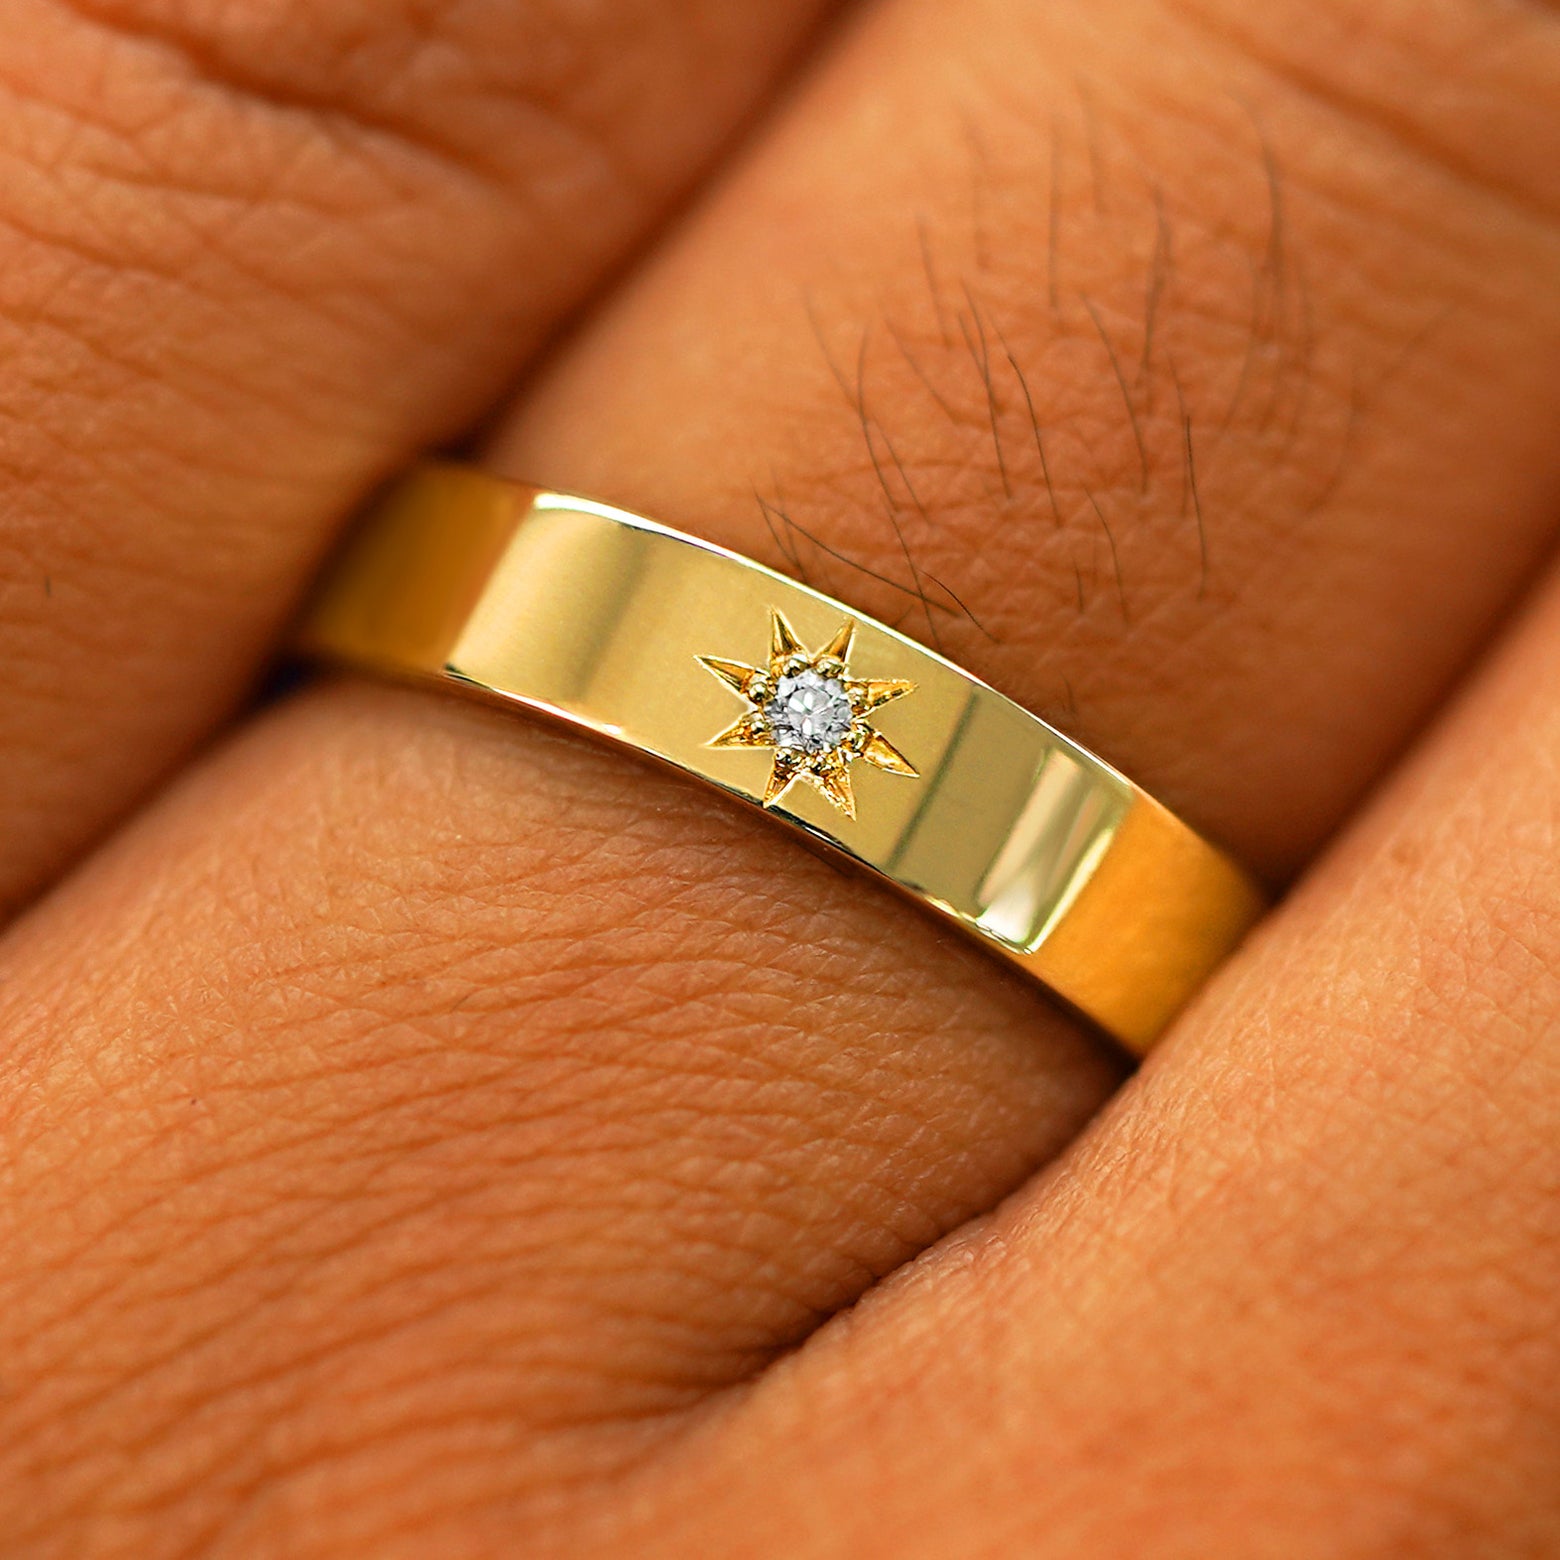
<point>423,1132</point>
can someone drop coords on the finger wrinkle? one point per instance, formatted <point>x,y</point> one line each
<point>404,55</point>
<point>1486,59</point>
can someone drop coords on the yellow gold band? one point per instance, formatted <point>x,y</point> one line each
<point>779,695</point>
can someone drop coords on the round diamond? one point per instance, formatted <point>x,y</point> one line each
<point>810,712</point>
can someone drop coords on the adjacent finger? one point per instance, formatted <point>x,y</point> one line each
<point>1298,1295</point>
<point>465,1076</point>
<point>253,258</point>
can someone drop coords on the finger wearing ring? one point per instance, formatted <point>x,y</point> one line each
<point>872,745</point>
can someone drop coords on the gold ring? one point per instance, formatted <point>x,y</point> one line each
<point>775,693</point>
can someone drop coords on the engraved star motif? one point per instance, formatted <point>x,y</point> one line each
<point>812,713</point>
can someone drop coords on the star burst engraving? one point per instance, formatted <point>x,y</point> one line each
<point>812,713</point>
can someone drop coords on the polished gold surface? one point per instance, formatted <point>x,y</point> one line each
<point>930,778</point>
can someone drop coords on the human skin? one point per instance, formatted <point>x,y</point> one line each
<point>428,1133</point>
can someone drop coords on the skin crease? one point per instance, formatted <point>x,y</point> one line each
<point>427,1133</point>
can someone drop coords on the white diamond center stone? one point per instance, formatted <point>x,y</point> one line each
<point>810,712</point>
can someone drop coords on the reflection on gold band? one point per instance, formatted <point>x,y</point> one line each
<point>985,813</point>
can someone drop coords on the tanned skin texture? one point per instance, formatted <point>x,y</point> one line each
<point>428,1133</point>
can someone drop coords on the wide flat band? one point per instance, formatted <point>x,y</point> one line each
<point>779,695</point>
